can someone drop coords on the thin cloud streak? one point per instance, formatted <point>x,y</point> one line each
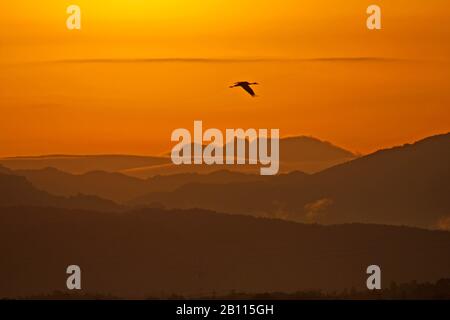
<point>225,60</point>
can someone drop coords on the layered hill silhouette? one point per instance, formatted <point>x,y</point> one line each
<point>18,191</point>
<point>154,253</point>
<point>82,164</point>
<point>119,187</point>
<point>5,170</point>
<point>297,153</point>
<point>407,185</point>
<point>302,153</point>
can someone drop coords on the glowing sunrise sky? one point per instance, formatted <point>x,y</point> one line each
<point>102,89</point>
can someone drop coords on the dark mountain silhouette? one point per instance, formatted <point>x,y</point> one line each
<point>156,253</point>
<point>297,154</point>
<point>82,164</point>
<point>17,191</point>
<point>404,185</point>
<point>304,149</point>
<point>305,154</point>
<point>108,185</point>
<point>171,169</point>
<point>411,182</point>
<point>5,170</point>
<point>301,149</point>
<point>173,182</point>
<point>119,187</point>
<point>301,153</point>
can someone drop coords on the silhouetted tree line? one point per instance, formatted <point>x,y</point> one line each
<point>412,290</point>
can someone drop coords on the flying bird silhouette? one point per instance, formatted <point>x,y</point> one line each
<point>246,86</point>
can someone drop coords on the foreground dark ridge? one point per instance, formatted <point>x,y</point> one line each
<point>156,252</point>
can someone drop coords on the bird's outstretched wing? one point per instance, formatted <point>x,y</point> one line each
<point>247,88</point>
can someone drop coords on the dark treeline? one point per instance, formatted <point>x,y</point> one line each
<point>413,290</point>
<point>408,291</point>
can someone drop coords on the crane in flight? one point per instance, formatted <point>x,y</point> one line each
<point>246,86</point>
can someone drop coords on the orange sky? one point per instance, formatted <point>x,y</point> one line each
<point>126,105</point>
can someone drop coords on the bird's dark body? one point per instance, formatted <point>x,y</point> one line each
<point>246,86</point>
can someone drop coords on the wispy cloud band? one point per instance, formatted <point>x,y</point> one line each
<point>226,60</point>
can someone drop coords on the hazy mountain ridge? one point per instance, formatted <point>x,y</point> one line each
<point>114,177</point>
<point>402,185</point>
<point>119,187</point>
<point>302,153</point>
<point>79,164</point>
<point>406,185</point>
<point>18,191</point>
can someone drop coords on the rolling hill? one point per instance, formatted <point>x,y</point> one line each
<point>79,164</point>
<point>301,153</point>
<point>406,185</point>
<point>119,187</point>
<point>18,191</point>
<point>158,253</point>
<point>297,153</point>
